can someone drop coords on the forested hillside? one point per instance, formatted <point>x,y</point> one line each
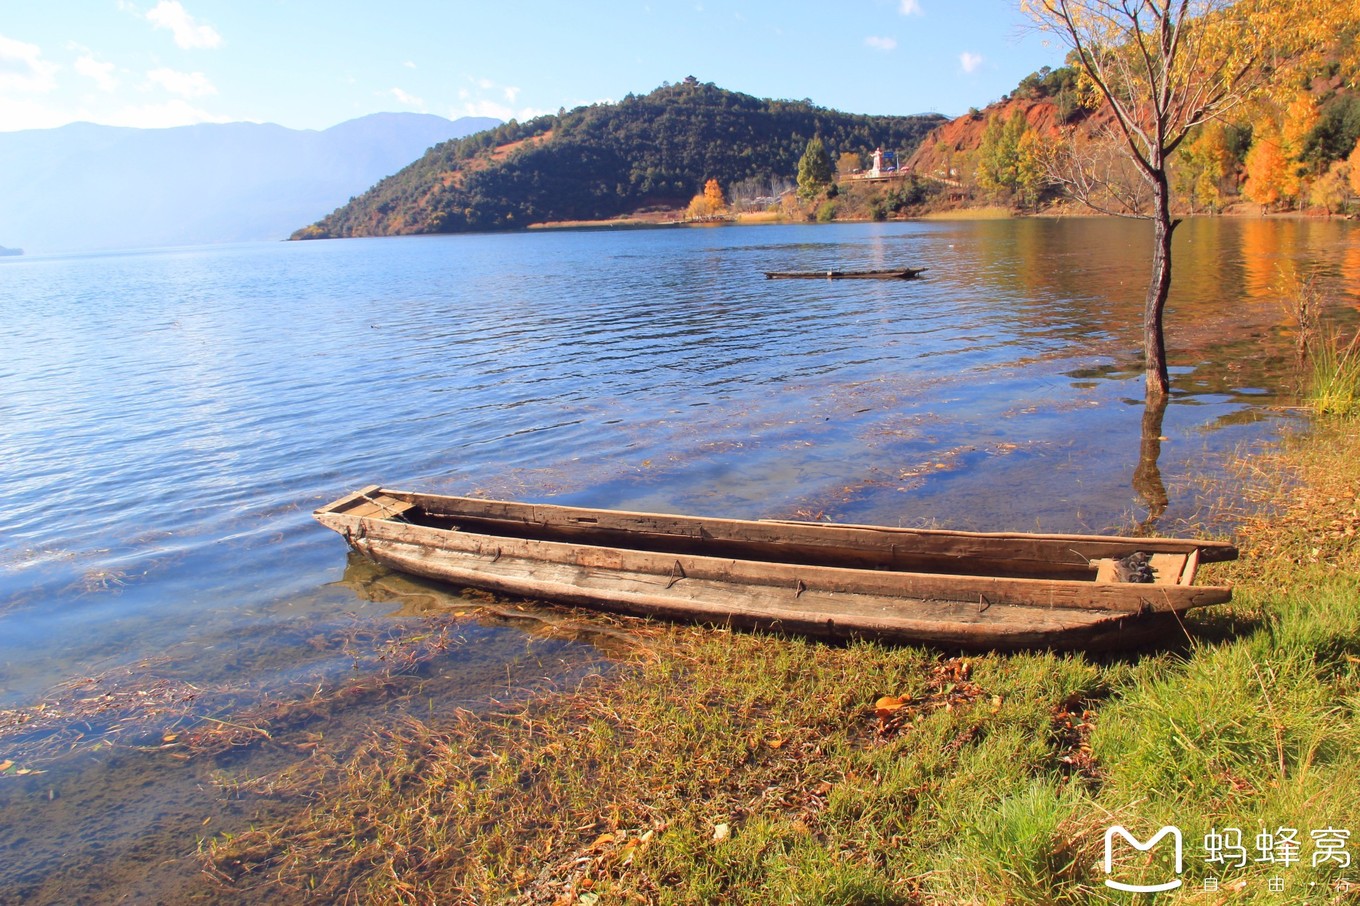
<point>604,160</point>
<point>1294,146</point>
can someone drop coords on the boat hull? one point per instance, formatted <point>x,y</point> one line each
<point>494,548</point>
<point>903,273</point>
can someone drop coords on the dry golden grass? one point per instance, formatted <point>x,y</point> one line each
<point>739,768</point>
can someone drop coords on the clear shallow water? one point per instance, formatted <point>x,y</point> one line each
<point>171,418</point>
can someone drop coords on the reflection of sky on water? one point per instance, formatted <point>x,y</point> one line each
<point>174,416</point>
<point>171,418</point>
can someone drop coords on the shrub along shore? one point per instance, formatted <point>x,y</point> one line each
<point>715,766</point>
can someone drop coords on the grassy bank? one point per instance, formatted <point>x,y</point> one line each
<point>971,213</point>
<point>737,768</point>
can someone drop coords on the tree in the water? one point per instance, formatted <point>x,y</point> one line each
<point>1164,67</point>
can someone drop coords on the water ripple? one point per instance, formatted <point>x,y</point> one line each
<point>171,417</point>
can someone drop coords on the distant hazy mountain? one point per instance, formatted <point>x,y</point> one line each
<point>84,186</point>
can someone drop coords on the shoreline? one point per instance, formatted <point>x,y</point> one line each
<point>675,218</point>
<point>1238,211</point>
<point>687,767</point>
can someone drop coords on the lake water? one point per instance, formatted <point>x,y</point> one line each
<point>170,419</point>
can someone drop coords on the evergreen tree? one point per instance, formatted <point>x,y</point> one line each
<point>814,170</point>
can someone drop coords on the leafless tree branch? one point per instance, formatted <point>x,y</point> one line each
<point>1097,173</point>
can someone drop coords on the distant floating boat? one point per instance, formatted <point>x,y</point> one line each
<point>951,589</point>
<point>901,273</point>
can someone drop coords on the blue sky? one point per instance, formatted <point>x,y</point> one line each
<point>309,64</point>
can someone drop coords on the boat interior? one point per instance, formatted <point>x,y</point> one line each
<point>807,544</point>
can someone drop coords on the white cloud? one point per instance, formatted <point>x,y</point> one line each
<point>22,113</point>
<point>484,108</point>
<point>488,98</point>
<point>184,84</point>
<point>30,97</point>
<point>189,34</point>
<point>970,62</point>
<point>176,112</point>
<point>878,43</point>
<point>101,73</point>
<point>911,8</point>
<point>16,113</point>
<point>22,67</point>
<point>409,64</point>
<point>409,100</point>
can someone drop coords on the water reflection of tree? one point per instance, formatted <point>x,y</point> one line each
<point>1350,269</point>
<point>1147,476</point>
<point>1262,256</point>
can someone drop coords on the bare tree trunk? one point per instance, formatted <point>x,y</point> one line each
<point>1154,342</point>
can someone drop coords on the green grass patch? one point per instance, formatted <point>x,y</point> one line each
<point>739,768</point>
<point>1334,385</point>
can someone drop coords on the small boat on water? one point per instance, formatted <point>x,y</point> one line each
<point>950,589</point>
<point>901,273</point>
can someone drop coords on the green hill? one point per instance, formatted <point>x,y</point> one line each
<point>605,160</point>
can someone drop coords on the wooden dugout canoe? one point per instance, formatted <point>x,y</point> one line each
<point>901,273</point>
<point>950,589</point>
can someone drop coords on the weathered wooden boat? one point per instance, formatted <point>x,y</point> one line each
<point>945,588</point>
<point>901,273</point>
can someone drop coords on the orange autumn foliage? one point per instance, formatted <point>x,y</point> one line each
<point>708,204</point>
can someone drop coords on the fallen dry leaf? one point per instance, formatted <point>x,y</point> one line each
<point>890,704</point>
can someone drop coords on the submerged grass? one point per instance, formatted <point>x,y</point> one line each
<point>1328,365</point>
<point>740,768</point>
<point>1334,389</point>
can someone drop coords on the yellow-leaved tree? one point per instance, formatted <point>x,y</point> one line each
<point>1164,67</point>
<point>1329,190</point>
<point>1353,162</point>
<point>1207,162</point>
<point>1031,168</point>
<point>1267,165</point>
<point>708,204</point>
<point>714,194</point>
